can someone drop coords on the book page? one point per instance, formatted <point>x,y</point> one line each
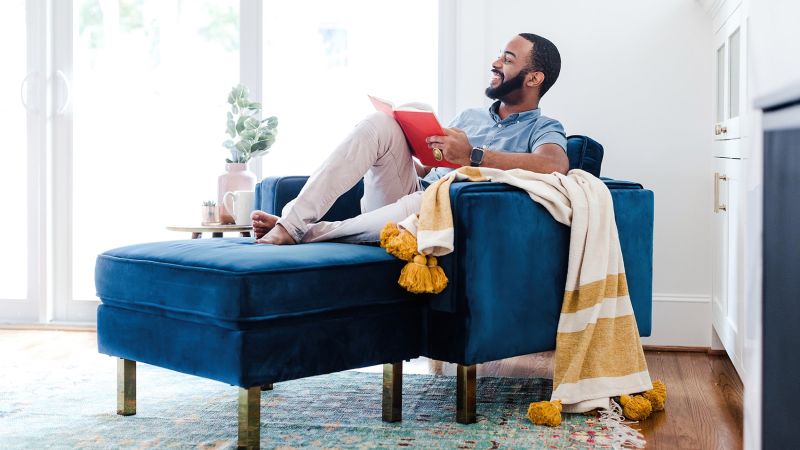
<point>382,105</point>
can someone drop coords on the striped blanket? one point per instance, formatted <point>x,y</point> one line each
<point>598,352</point>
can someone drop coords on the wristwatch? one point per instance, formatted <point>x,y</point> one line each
<point>476,156</point>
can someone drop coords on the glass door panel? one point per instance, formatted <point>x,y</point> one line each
<point>734,65</point>
<point>720,97</point>
<point>16,87</point>
<point>151,79</point>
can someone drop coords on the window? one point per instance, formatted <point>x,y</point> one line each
<point>322,58</point>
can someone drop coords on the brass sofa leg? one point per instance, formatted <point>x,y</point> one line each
<point>249,418</point>
<point>126,387</point>
<point>392,399</point>
<point>465,394</point>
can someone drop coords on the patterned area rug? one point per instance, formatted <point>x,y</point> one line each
<point>341,410</point>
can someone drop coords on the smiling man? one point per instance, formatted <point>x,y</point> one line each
<point>510,134</point>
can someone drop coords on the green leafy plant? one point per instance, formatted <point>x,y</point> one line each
<point>210,203</point>
<point>250,137</point>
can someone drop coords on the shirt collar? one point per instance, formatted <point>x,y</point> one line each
<point>524,115</point>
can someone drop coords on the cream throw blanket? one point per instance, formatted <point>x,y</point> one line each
<point>598,352</point>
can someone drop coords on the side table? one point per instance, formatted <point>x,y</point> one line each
<point>215,230</point>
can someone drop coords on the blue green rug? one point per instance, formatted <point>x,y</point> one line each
<point>74,407</point>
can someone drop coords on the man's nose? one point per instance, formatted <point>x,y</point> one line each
<point>496,63</point>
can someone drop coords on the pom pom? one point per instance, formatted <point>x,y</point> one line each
<point>438,278</point>
<point>389,231</point>
<point>416,277</point>
<point>635,407</point>
<point>657,395</point>
<point>545,413</point>
<point>402,246</point>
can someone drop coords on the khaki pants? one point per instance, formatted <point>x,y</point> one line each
<point>377,151</point>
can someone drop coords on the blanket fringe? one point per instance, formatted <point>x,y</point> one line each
<point>622,435</point>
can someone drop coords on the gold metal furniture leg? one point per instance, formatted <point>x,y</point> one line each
<point>249,418</point>
<point>126,387</point>
<point>392,400</point>
<point>465,394</point>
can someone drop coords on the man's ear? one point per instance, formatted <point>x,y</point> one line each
<point>535,79</point>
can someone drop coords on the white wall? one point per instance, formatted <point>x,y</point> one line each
<point>636,76</point>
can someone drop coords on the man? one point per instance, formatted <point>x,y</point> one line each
<point>511,134</point>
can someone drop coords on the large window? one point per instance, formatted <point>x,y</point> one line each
<point>126,112</point>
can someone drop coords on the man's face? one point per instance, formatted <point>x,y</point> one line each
<point>508,70</point>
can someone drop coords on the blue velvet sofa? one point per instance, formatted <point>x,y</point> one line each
<point>252,315</point>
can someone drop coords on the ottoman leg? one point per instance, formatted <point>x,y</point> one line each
<point>126,387</point>
<point>392,399</point>
<point>465,394</point>
<point>249,418</point>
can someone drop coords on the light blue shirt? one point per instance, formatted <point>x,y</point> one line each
<point>519,132</point>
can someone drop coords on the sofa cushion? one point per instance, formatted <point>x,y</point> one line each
<point>236,280</point>
<point>584,153</point>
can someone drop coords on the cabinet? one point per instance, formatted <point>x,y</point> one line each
<point>729,161</point>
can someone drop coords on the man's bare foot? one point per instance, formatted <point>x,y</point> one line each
<point>262,223</point>
<point>277,236</point>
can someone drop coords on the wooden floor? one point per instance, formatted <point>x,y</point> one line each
<point>704,400</point>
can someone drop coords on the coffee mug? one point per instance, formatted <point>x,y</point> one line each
<point>239,205</point>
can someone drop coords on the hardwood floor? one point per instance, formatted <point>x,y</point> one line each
<point>704,401</point>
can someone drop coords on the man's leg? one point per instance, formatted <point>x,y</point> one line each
<point>376,150</point>
<point>365,227</point>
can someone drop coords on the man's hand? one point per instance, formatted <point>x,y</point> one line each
<point>455,146</point>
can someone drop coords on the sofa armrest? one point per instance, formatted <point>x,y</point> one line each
<point>273,193</point>
<point>508,271</point>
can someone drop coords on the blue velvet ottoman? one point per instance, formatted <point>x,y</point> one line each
<point>251,315</point>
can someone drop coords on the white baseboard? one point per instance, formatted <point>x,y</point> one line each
<point>680,320</point>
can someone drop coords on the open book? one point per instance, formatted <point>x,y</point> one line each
<point>418,123</point>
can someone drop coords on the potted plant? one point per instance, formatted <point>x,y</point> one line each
<point>250,137</point>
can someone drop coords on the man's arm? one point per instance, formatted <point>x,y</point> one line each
<point>546,158</point>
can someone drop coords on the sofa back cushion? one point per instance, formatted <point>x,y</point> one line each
<point>584,153</point>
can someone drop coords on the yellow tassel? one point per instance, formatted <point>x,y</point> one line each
<point>438,278</point>
<point>635,407</point>
<point>416,277</point>
<point>402,246</point>
<point>389,231</point>
<point>657,395</point>
<point>545,413</point>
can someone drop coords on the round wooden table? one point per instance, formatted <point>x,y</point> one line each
<point>215,230</point>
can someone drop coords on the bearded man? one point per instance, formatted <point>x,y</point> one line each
<point>510,134</point>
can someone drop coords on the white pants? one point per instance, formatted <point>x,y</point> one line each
<point>377,151</point>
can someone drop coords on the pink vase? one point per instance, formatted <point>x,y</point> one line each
<point>235,178</point>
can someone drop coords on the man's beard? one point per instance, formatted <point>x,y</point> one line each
<point>506,87</point>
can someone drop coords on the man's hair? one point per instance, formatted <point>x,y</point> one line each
<point>544,58</point>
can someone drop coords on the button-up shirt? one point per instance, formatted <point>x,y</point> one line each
<point>519,132</point>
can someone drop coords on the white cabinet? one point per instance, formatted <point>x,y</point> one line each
<point>729,158</point>
<point>728,247</point>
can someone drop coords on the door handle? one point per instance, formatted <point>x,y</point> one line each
<point>67,89</point>
<point>717,205</point>
<point>23,88</point>
<point>720,129</point>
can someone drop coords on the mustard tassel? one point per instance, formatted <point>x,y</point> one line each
<point>402,246</point>
<point>657,395</point>
<point>438,278</point>
<point>389,231</point>
<point>416,277</point>
<point>635,407</point>
<point>545,413</point>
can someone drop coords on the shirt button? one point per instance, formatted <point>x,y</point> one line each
<point>499,125</point>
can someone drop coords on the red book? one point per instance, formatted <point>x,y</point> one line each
<point>418,122</point>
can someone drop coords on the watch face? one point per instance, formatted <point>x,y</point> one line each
<point>476,156</point>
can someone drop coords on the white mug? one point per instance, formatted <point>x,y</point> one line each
<point>239,204</point>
